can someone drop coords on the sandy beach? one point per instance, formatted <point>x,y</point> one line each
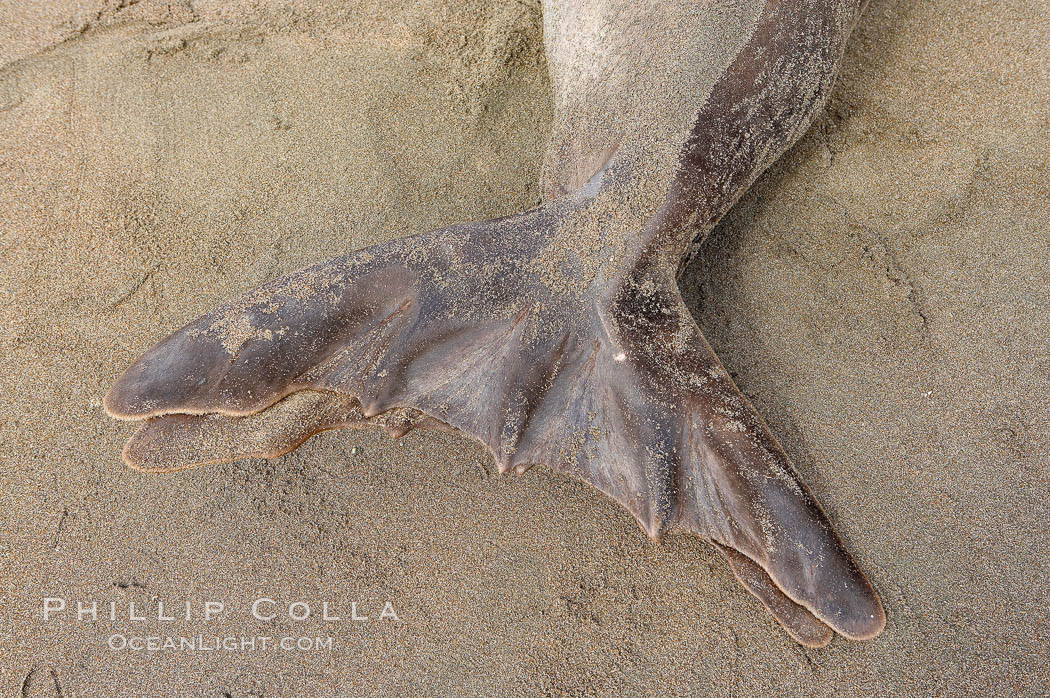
<point>882,296</point>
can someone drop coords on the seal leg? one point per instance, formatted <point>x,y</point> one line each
<point>598,373</point>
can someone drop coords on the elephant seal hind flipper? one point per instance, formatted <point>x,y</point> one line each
<point>558,336</point>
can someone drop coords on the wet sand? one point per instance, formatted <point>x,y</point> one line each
<point>881,295</point>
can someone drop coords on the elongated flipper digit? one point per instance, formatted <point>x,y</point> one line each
<point>180,441</point>
<point>802,625</point>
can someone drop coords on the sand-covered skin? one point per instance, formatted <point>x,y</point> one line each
<point>880,295</point>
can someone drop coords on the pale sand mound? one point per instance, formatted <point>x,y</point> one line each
<point>882,297</point>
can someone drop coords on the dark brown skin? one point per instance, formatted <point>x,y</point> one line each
<point>557,336</point>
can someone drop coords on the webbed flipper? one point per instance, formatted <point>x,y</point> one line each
<point>603,376</point>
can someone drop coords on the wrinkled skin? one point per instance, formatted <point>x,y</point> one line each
<point>558,336</point>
